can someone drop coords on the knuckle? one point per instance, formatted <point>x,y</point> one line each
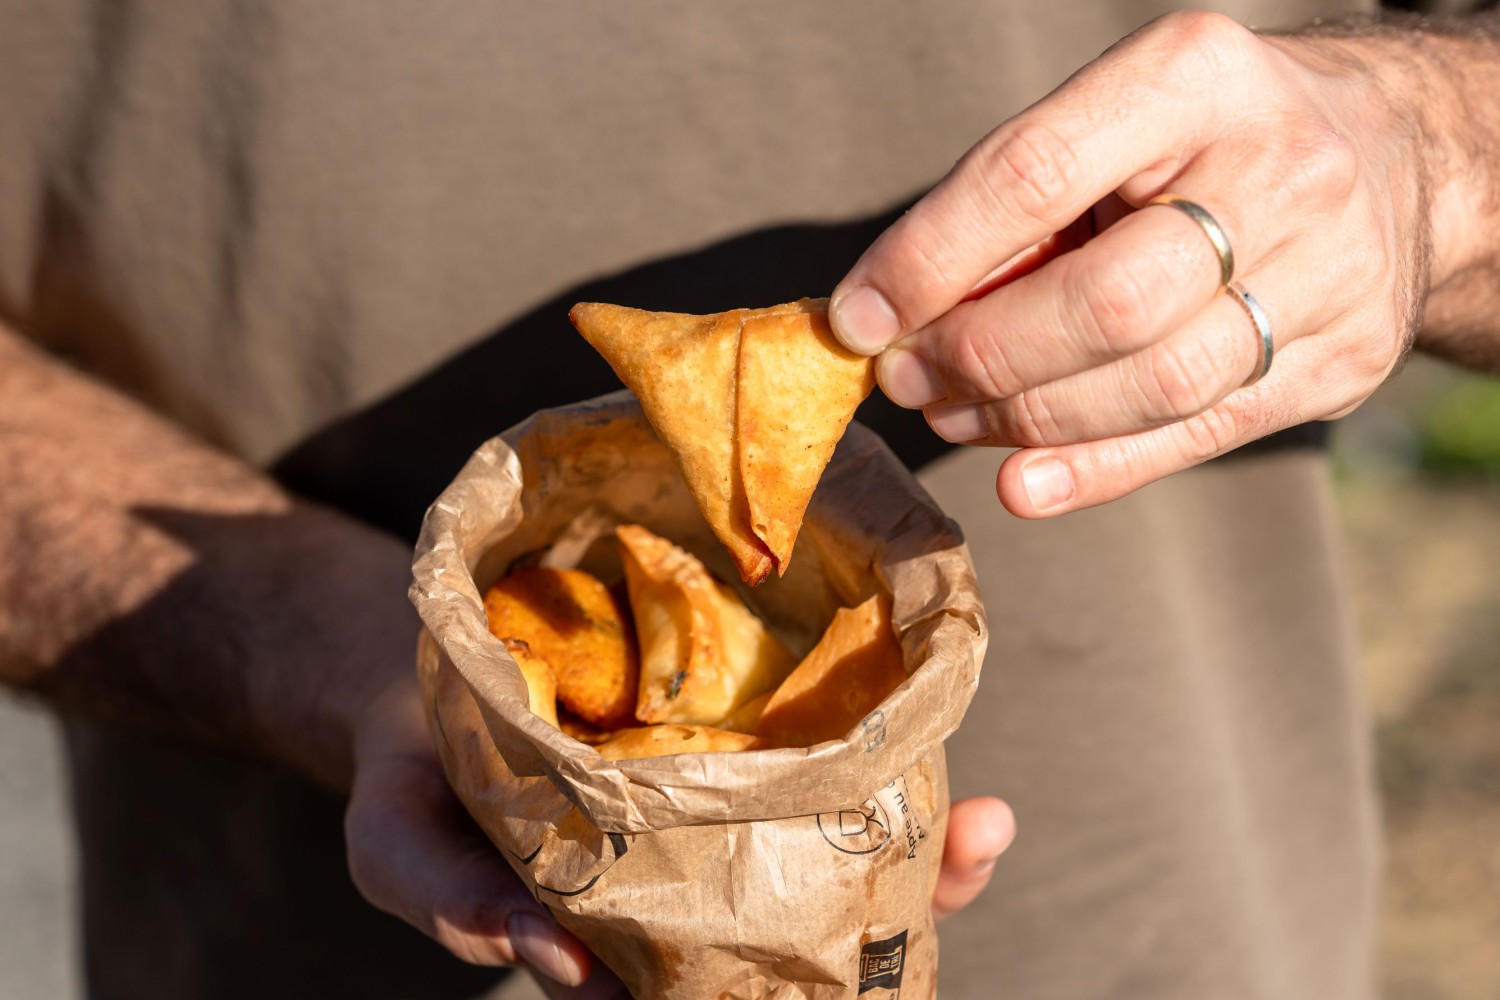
<point>1116,300</point>
<point>1027,171</point>
<point>1210,433</point>
<point>982,366</point>
<point>1030,421</point>
<point>1178,381</point>
<point>927,258</point>
<point>461,946</point>
<point>1197,45</point>
<point>1370,358</point>
<point>475,948</point>
<point>1318,163</point>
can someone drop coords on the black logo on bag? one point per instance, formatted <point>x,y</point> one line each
<point>615,840</point>
<point>881,964</point>
<point>857,831</point>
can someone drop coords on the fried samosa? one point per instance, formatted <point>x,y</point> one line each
<point>851,670</point>
<point>572,621</point>
<point>751,402</point>
<point>703,653</point>
<point>541,681</point>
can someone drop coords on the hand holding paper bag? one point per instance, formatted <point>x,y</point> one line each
<point>792,872</point>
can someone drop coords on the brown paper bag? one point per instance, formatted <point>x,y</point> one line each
<point>776,873</point>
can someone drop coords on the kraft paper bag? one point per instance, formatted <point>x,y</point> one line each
<point>786,873</point>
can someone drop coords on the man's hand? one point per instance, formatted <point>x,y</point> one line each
<point>1031,300</point>
<point>414,852</point>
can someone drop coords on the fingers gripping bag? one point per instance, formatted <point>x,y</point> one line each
<point>794,872</point>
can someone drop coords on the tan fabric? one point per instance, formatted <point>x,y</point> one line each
<point>305,228</point>
<point>261,215</point>
<point>1171,706</point>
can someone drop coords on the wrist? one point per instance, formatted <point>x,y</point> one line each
<point>1422,91</point>
<point>154,581</point>
<point>339,642</point>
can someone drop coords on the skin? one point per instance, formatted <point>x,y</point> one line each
<point>151,579</point>
<point>1033,299</point>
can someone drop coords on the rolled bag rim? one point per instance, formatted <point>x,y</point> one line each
<point>922,549</point>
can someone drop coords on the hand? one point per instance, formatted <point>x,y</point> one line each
<point>414,852</point>
<point>1030,300</point>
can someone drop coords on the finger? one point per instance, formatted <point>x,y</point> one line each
<point>1123,290</point>
<point>1308,381</point>
<point>1270,186</point>
<point>602,984</point>
<point>979,831</point>
<point>1213,354</point>
<point>1033,257</point>
<point>1042,169</point>
<point>414,852</point>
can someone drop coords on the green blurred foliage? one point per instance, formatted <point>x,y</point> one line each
<point>1458,433</point>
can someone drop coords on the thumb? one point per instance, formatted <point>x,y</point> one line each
<point>979,831</point>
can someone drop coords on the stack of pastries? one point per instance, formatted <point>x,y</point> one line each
<point>674,662</point>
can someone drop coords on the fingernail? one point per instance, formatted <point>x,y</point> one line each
<point>1047,481</point>
<point>959,424</point>
<point>863,320</point>
<point>535,942</point>
<point>908,379</point>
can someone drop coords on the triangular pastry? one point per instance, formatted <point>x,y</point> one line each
<point>703,653</point>
<point>752,403</point>
<point>852,669</point>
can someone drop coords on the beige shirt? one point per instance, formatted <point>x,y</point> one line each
<point>339,238</point>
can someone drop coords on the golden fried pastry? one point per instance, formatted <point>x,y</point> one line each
<point>541,682</point>
<point>658,741</point>
<point>570,620</point>
<point>751,402</point>
<point>703,654</point>
<point>852,669</point>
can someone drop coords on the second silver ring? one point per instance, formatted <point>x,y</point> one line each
<point>1262,322</point>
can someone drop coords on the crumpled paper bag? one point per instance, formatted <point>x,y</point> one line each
<point>783,873</point>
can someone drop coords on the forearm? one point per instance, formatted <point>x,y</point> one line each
<point>151,579</point>
<point>1440,79</point>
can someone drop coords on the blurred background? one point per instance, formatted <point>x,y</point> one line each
<point>1418,475</point>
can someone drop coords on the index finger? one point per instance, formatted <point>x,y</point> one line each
<point>1143,107</point>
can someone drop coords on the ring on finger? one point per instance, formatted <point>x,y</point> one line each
<point>1262,322</point>
<point>1211,229</point>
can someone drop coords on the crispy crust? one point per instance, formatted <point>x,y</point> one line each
<point>703,653</point>
<point>852,669</point>
<point>572,621</point>
<point>751,402</point>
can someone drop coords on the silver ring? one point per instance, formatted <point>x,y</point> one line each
<point>1211,229</point>
<point>1262,327</point>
